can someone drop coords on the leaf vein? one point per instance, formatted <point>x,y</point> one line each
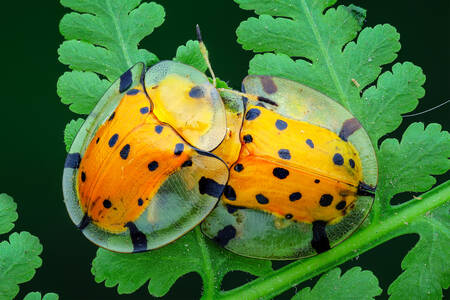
<point>119,34</point>
<point>325,55</point>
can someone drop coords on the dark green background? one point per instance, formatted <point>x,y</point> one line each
<point>32,122</point>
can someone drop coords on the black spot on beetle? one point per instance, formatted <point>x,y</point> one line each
<point>144,110</point>
<point>225,235</point>
<point>178,149</point>
<point>280,173</point>
<point>348,128</point>
<point>280,124</point>
<point>267,100</point>
<point>112,116</point>
<point>113,140</point>
<point>248,138</point>
<point>98,140</point>
<point>84,222</point>
<point>310,143</point>
<point>351,162</point>
<point>126,79</point>
<point>238,167</point>
<point>153,165</point>
<point>316,181</point>
<point>289,216</point>
<point>325,200</point>
<point>72,161</point>
<point>341,205</point>
<point>133,92</point>
<point>140,201</point>
<point>284,154</point>
<point>252,114</point>
<point>138,238</point>
<point>107,203</point>
<point>261,199</point>
<point>229,192</point>
<point>197,92</point>
<point>210,187</point>
<point>83,176</point>
<point>320,241</point>
<point>125,151</point>
<point>295,196</point>
<point>158,129</point>
<point>187,163</point>
<point>338,159</point>
<point>268,84</point>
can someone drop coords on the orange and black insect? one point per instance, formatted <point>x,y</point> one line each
<point>302,172</point>
<point>135,178</point>
<point>294,171</point>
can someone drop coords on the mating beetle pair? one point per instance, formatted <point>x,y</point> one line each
<point>279,171</point>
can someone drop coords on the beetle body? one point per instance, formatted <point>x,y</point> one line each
<point>302,173</point>
<point>137,176</point>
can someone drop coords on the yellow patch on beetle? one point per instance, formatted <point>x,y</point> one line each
<point>194,111</point>
<point>230,147</point>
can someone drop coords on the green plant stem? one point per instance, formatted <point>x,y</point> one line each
<point>208,273</point>
<point>394,224</point>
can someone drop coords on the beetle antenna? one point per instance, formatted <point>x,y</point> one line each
<point>205,53</point>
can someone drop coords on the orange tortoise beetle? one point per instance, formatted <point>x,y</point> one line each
<point>302,172</point>
<point>138,174</point>
<point>294,171</point>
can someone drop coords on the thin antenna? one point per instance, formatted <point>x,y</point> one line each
<point>205,57</point>
<point>433,108</point>
<point>205,53</point>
